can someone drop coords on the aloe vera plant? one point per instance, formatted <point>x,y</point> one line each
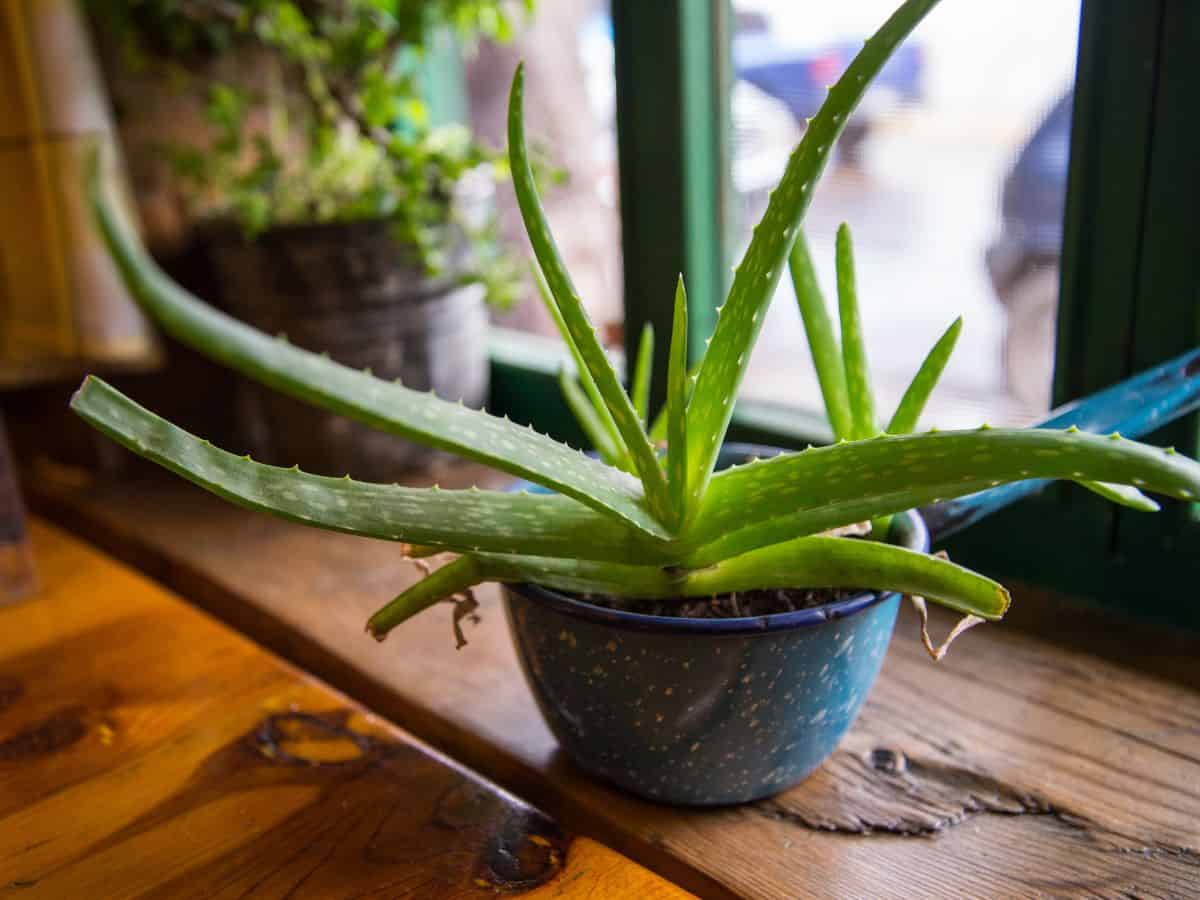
<point>651,518</point>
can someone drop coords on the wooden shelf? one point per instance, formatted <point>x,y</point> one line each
<point>148,751</point>
<point>1018,766</point>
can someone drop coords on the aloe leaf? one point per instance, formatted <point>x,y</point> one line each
<point>912,404</point>
<point>621,458</point>
<point>822,342</point>
<point>642,370</point>
<point>677,398</point>
<point>1122,494</point>
<point>585,415</point>
<point>574,315</point>
<point>456,576</point>
<point>874,505</point>
<point>773,494</point>
<point>384,405</point>
<point>816,562</point>
<point>658,428</point>
<point>845,562</point>
<point>854,351</point>
<point>500,521</point>
<point>758,274</point>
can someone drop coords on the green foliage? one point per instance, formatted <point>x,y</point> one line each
<point>854,354</point>
<point>675,529</point>
<point>338,129</point>
<point>822,342</point>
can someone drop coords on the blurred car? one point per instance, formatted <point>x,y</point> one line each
<point>1023,262</point>
<point>798,74</point>
<point>793,73</point>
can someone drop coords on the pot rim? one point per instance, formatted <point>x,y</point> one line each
<point>917,538</point>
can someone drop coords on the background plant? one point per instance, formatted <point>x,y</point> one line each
<point>335,127</point>
<point>651,524</point>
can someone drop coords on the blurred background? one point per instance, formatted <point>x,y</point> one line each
<point>952,176</point>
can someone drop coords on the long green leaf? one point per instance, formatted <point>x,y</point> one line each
<point>874,505</point>
<point>621,458</point>
<point>854,351</point>
<point>677,398</point>
<point>642,370</point>
<point>456,576</point>
<point>1123,495</point>
<point>845,562</point>
<point>758,274</point>
<point>912,404</point>
<point>773,499</point>
<point>822,342</point>
<point>573,313</point>
<point>585,415</point>
<point>815,562</point>
<point>499,521</point>
<point>384,405</point>
<point>658,428</point>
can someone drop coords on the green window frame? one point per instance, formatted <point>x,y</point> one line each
<point>1130,273</point>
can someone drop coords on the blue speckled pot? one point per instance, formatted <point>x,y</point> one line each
<point>703,711</point>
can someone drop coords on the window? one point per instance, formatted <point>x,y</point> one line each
<point>1129,261</point>
<point>970,117</point>
<point>570,114</point>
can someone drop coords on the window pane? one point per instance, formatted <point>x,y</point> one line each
<point>951,175</point>
<point>570,115</point>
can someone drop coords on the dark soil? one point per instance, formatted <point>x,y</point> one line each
<point>726,606</point>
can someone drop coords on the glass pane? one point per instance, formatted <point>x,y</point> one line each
<point>570,116</point>
<point>951,175</point>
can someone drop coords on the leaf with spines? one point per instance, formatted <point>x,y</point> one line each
<point>677,398</point>
<point>800,563</point>
<point>388,406</point>
<point>822,341</point>
<point>585,414</point>
<point>642,370</point>
<point>912,404</point>
<point>501,521</point>
<point>621,457</point>
<point>658,428</point>
<point>575,317</point>
<point>876,476</point>
<point>757,276</point>
<point>854,351</point>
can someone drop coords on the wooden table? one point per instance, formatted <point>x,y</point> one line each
<point>1017,767</point>
<point>148,751</point>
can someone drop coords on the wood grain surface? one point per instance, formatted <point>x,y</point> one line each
<point>1017,767</point>
<point>147,751</point>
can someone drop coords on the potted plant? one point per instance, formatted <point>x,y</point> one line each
<point>672,707</point>
<point>335,211</point>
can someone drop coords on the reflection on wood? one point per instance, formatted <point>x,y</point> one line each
<point>146,751</point>
<point>1013,768</point>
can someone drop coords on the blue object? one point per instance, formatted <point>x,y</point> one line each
<point>1133,407</point>
<point>703,711</point>
<point>800,76</point>
<point>716,711</point>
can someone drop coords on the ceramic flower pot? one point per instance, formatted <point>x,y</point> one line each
<point>703,711</point>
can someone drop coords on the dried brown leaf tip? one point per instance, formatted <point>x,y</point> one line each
<point>465,609</point>
<point>936,653</point>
